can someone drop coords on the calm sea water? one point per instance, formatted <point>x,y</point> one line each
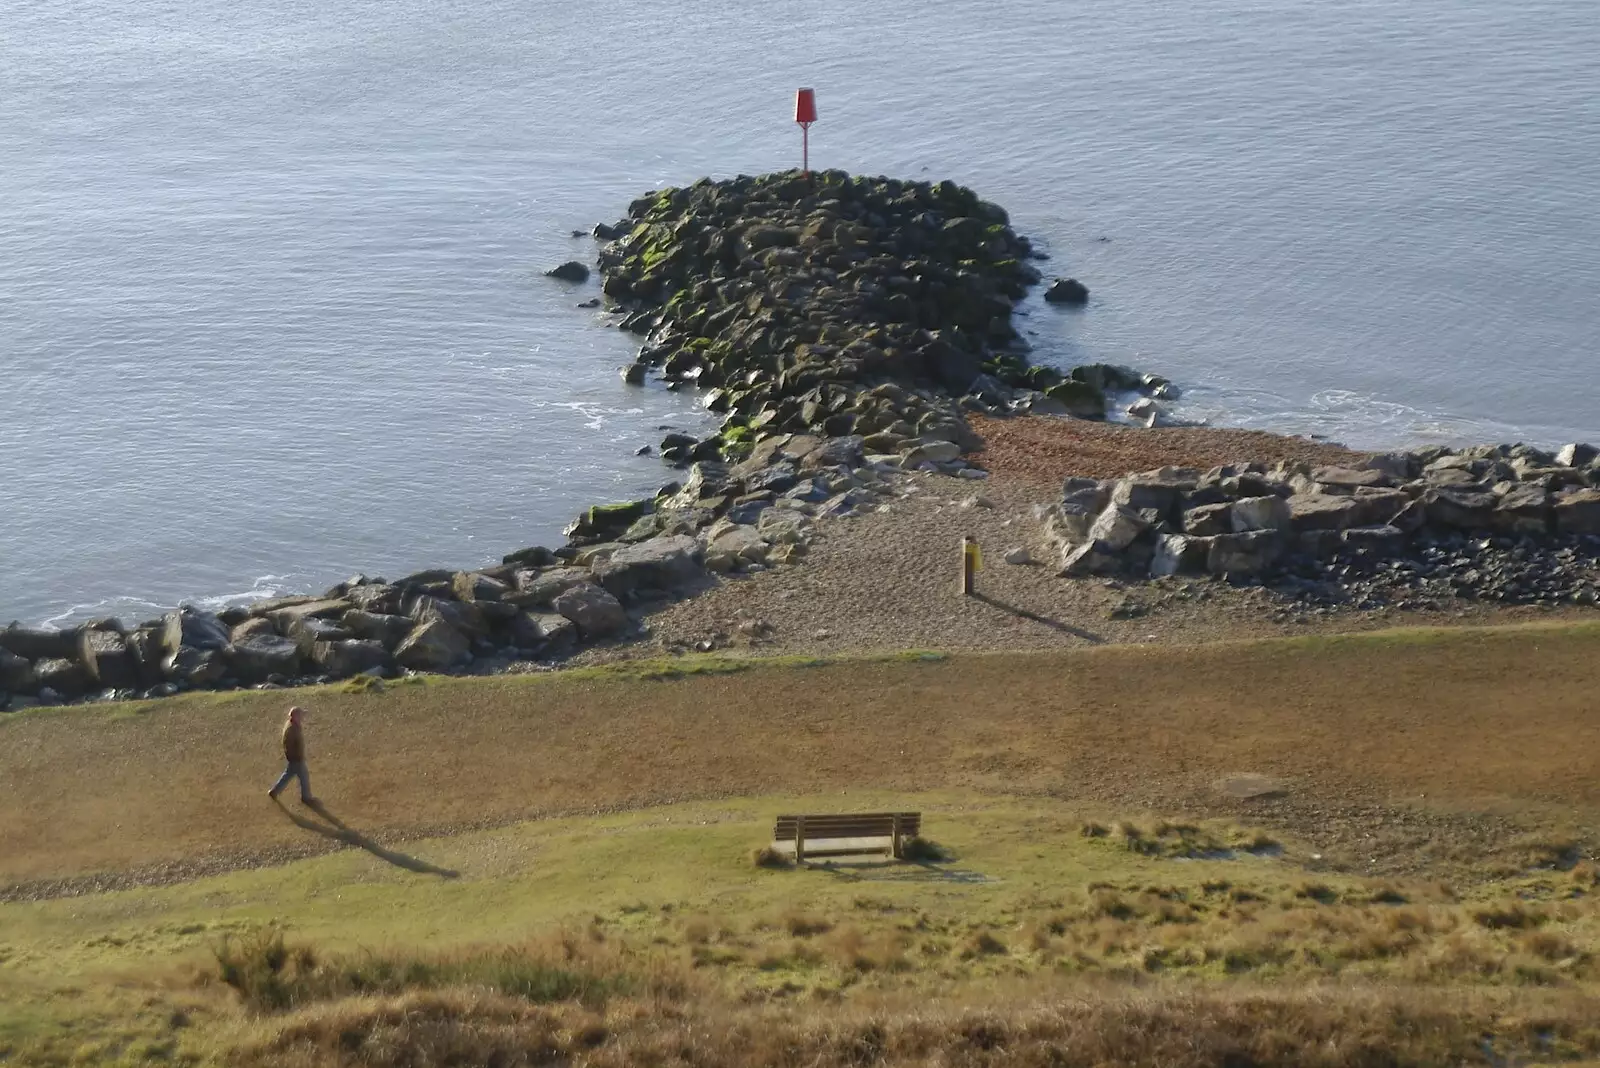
<point>271,309</point>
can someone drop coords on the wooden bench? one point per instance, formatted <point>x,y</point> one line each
<point>845,835</point>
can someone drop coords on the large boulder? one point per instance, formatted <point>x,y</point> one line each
<point>254,625</point>
<point>1091,558</point>
<point>462,616</point>
<point>1523,509</point>
<point>341,659</point>
<point>108,660</point>
<point>1378,505</point>
<point>309,631</point>
<point>1068,291</point>
<point>1083,400</point>
<point>601,522</point>
<point>1067,525</point>
<point>532,557</point>
<point>1180,554</point>
<point>194,641</point>
<point>1247,553</point>
<point>1321,511</point>
<point>545,631</point>
<point>1577,455</point>
<point>66,677</point>
<point>194,667</point>
<point>1345,479</point>
<point>325,608</point>
<point>1374,541</point>
<point>263,655</point>
<point>1159,490</point>
<point>554,629</point>
<point>1394,466</point>
<point>571,271</point>
<point>1117,527</point>
<point>537,589</point>
<point>595,611</point>
<point>952,366</point>
<point>378,597</point>
<point>145,645</point>
<point>16,673</point>
<point>1578,512</point>
<point>784,526</point>
<point>1260,513</point>
<point>383,627</point>
<point>474,586</point>
<point>929,452</point>
<point>1209,520</point>
<point>660,564</point>
<point>434,645</point>
<point>735,547</point>
<point>39,643</point>
<point>1461,509</point>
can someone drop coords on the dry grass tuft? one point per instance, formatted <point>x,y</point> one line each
<point>922,850</point>
<point>1110,1027</point>
<point>270,976</point>
<point>1513,914</point>
<point>767,857</point>
<point>804,925</point>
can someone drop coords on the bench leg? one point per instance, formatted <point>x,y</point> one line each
<point>800,841</point>
<point>896,837</point>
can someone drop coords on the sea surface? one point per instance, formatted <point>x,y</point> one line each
<point>271,303</point>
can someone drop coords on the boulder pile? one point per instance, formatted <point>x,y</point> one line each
<point>537,604</point>
<point>842,325</point>
<point>790,301</point>
<point>1312,526</point>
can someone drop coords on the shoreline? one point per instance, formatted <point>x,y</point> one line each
<point>855,336</point>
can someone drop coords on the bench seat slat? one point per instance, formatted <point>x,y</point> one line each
<point>849,825</point>
<point>839,847</point>
<point>848,830</point>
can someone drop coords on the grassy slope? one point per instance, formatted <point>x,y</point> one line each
<point>1026,897</point>
<point>1473,718</point>
<point>1008,753</point>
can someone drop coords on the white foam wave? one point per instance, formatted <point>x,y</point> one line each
<point>131,610</point>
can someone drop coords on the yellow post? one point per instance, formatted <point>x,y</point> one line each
<point>971,563</point>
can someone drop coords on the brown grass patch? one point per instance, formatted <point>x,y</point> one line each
<point>1110,1027</point>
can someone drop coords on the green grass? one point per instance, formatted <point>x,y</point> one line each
<point>1023,893</point>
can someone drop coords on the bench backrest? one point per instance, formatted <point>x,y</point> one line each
<point>855,825</point>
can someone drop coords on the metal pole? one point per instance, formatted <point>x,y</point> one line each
<point>805,149</point>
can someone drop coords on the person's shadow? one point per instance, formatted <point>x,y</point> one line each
<point>337,831</point>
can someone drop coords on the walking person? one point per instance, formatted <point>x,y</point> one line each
<point>294,755</point>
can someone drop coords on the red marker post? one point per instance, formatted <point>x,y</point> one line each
<point>805,113</point>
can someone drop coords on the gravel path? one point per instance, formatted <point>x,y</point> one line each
<point>1042,451</point>
<point>888,580</point>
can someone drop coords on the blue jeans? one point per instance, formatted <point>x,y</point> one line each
<point>296,769</point>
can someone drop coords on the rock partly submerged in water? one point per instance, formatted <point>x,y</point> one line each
<point>1067,291</point>
<point>571,271</point>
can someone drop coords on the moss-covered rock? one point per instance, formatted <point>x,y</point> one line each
<point>1083,399</point>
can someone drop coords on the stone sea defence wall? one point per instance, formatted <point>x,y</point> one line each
<point>842,326</point>
<point>1505,522</point>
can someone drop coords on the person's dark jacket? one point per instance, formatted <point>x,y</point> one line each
<point>294,744</point>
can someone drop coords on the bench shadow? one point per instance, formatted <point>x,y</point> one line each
<point>1034,617</point>
<point>896,871</point>
<point>339,832</point>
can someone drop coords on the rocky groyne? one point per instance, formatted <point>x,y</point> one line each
<point>843,327</point>
<point>1506,523</point>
